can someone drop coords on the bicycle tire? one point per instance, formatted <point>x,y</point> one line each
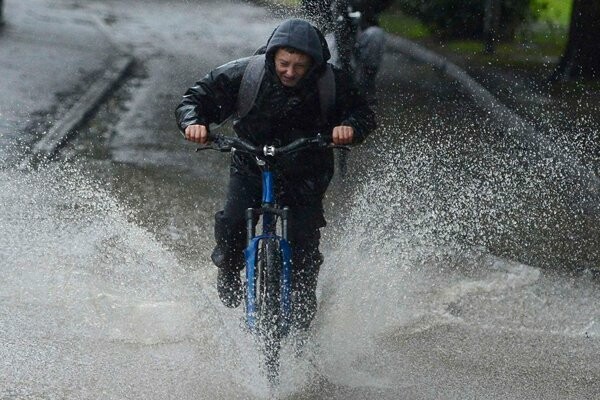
<point>268,303</point>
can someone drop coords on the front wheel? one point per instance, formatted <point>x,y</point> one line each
<point>268,302</point>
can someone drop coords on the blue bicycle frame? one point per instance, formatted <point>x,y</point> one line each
<point>270,212</point>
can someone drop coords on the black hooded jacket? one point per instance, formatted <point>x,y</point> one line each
<point>281,114</point>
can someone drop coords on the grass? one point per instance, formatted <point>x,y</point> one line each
<point>286,3</point>
<point>399,24</point>
<point>507,54</point>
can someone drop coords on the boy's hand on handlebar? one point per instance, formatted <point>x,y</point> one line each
<point>342,135</point>
<point>196,133</point>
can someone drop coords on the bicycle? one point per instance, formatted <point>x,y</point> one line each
<point>268,255</point>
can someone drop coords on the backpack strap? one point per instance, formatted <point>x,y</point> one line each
<point>253,76</point>
<point>251,80</point>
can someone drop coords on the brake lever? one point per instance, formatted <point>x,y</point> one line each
<point>214,146</point>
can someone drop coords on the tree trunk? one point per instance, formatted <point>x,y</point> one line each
<point>491,24</point>
<point>581,58</point>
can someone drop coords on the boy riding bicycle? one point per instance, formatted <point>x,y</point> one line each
<point>287,106</point>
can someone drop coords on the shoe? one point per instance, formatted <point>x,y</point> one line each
<point>229,287</point>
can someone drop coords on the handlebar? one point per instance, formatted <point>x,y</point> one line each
<point>224,143</point>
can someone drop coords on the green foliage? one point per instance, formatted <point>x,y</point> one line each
<point>555,12</point>
<point>547,29</point>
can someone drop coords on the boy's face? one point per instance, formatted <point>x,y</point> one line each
<point>291,67</point>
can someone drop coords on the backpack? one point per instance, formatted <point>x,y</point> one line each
<point>253,76</point>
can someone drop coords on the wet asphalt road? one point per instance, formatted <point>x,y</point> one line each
<point>429,313</point>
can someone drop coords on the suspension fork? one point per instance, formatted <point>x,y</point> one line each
<point>269,212</point>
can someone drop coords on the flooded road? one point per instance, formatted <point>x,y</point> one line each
<point>437,282</point>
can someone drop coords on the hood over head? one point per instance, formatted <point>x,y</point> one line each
<point>301,35</point>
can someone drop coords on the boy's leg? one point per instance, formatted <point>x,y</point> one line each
<point>227,256</point>
<point>230,236</point>
<point>306,262</point>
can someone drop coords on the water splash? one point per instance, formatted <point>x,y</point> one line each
<point>92,303</point>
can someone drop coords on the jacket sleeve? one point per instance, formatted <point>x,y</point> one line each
<point>213,98</point>
<point>352,109</point>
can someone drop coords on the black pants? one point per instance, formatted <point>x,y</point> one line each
<point>306,218</point>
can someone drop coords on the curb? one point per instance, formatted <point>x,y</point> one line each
<point>64,129</point>
<point>483,97</point>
